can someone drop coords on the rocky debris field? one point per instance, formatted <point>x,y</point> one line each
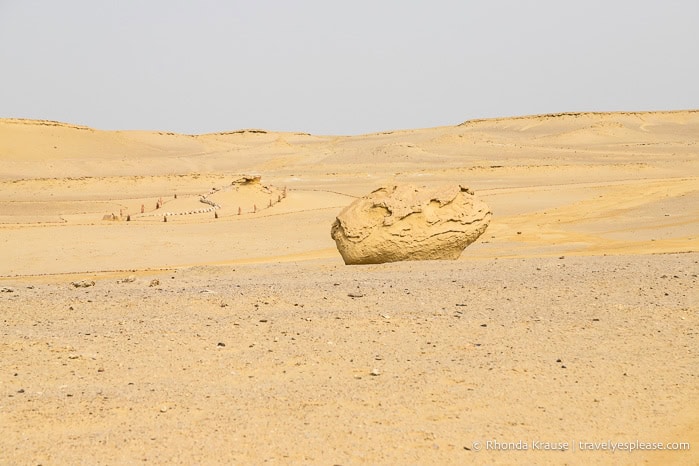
<point>318,363</point>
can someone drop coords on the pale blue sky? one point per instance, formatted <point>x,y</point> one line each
<point>330,67</point>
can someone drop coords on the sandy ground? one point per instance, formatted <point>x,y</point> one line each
<point>238,335</point>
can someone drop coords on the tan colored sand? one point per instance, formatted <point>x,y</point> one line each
<point>616,195</point>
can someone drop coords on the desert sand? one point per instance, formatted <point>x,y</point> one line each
<point>231,332</point>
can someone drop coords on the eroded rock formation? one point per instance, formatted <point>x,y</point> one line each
<point>405,222</point>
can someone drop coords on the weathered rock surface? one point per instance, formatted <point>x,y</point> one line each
<point>397,223</point>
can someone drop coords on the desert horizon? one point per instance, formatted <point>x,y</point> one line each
<point>179,299</point>
<point>70,177</point>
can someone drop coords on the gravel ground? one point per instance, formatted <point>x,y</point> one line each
<point>315,362</point>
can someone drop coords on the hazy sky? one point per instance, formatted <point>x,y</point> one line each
<point>349,67</point>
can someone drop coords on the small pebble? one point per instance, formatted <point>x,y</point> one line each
<point>83,283</point>
<point>375,372</point>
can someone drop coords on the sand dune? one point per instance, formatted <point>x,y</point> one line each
<point>590,259</point>
<point>590,183</point>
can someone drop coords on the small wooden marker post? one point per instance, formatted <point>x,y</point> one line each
<point>215,214</point>
<point>164,218</point>
<point>240,211</point>
<point>143,208</point>
<point>128,218</point>
<point>254,208</point>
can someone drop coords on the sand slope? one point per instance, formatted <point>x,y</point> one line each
<point>573,318</point>
<point>569,183</point>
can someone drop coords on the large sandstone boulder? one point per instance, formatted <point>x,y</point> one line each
<point>397,223</point>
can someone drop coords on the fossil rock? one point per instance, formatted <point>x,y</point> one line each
<point>405,222</point>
